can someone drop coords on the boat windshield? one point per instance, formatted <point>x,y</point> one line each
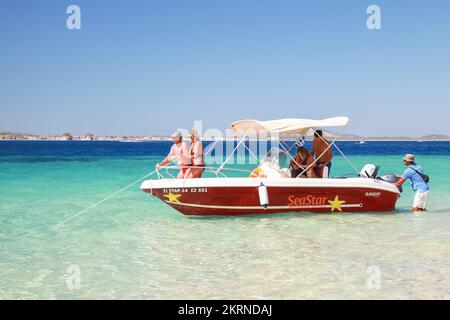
<point>277,157</point>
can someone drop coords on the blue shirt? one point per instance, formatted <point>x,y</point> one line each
<point>417,182</point>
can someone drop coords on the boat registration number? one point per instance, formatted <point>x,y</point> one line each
<point>185,190</point>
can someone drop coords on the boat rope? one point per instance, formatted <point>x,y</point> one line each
<point>105,199</point>
<point>90,207</point>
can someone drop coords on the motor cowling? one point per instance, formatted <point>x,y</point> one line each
<point>369,171</point>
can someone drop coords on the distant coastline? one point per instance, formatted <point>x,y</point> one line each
<point>9,136</point>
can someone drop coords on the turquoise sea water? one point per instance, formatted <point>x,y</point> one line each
<point>134,246</point>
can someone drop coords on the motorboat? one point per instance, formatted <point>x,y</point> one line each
<point>272,189</point>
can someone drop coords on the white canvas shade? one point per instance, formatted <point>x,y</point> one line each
<point>286,126</point>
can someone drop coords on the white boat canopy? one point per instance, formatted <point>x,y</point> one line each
<point>286,126</point>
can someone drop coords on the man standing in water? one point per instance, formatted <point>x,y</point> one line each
<point>322,152</point>
<point>179,151</point>
<point>419,182</point>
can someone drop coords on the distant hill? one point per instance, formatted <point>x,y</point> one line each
<point>14,134</point>
<point>350,137</point>
<point>435,137</point>
<point>353,137</point>
<point>400,138</point>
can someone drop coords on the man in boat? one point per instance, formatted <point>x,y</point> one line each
<point>322,153</point>
<point>419,182</point>
<point>180,152</point>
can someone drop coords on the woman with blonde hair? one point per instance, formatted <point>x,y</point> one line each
<point>196,154</point>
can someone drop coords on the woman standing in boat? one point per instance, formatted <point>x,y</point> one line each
<point>196,155</point>
<point>180,152</point>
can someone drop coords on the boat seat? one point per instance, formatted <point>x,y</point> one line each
<point>272,170</point>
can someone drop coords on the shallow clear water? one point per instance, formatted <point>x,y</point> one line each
<point>134,246</point>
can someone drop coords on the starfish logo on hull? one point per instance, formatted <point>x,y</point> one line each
<point>172,198</point>
<point>336,204</point>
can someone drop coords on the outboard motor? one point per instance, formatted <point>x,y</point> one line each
<point>391,178</point>
<point>369,171</point>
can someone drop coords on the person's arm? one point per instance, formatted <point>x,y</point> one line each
<point>170,157</point>
<point>293,164</point>
<point>406,175</point>
<point>164,162</point>
<point>400,182</point>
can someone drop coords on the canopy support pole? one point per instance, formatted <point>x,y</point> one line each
<point>299,143</point>
<point>211,148</point>
<point>340,151</point>
<point>250,152</point>
<point>229,157</point>
<point>347,159</point>
<point>289,155</point>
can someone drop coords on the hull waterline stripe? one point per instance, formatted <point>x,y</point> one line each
<point>357,205</point>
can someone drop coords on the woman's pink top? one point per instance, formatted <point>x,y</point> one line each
<point>196,153</point>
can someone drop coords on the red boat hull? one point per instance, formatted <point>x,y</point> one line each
<point>239,200</point>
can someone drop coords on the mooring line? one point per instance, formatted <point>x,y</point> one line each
<point>91,206</point>
<point>105,199</point>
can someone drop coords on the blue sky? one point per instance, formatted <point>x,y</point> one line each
<point>144,67</point>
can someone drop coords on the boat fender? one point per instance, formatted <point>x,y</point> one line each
<point>257,173</point>
<point>263,195</point>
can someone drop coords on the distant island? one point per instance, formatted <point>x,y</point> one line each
<point>429,137</point>
<point>67,136</point>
